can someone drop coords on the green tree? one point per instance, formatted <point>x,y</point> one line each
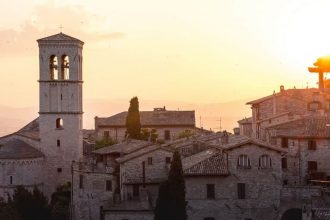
<point>60,202</point>
<point>147,134</point>
<point>163,203</point>
<point>31,205</point>
<point>8,211</point>
<point>172,193</point>
<point>186,133</point>
<point>133,124</point>
<point>104,143</point>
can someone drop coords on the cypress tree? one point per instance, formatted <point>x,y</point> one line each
<point>133,124</point>
<point>171,201</point>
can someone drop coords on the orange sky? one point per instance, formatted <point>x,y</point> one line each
<point>194,51</point>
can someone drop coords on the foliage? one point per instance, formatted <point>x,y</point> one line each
<point>60,202</point>
<point>172,194</point>
<point>133,124</point>
<point>30,205</point>
<point>186,133</point>
<point>147,134</point>
<point>104,143</point>
<point>8,211</point>
<point>162,210</point>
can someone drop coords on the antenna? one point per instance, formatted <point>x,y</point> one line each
<point>220,127</point>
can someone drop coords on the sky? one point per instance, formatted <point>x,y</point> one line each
<point>209,51</point>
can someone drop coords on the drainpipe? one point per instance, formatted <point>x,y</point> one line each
<point>143,174</point>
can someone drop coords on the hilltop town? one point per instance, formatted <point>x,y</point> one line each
<point>273,165</point>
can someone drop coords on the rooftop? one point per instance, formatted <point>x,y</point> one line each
<point>18,149</point>
<point>151,118</point>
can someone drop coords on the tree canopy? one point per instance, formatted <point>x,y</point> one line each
<point>171,201</point>
<point>133,124</point>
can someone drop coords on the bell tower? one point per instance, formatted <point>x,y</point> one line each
<point>60,106</point>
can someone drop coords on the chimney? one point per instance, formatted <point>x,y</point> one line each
<point>236,131</point>
<point>282,88</point>
<point>224,137</point>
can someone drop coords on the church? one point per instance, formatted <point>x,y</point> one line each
<point>41,153</point>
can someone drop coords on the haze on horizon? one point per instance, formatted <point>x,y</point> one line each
<point>184,51</point>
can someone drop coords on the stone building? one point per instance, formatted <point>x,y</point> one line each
<point>41,153</point>
<point>167,123</point>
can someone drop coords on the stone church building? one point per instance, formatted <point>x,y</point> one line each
<point>41,153</point>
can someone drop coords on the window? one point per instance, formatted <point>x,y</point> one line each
<point>106,134</point>
<point>53,67</point>
<point>265,162</point>
<point>243,162</point>
<point>149,160</point>
<point>167,135</point>
<point>59,170</point>
<point>136,191</point>
<point>65,75</point>
<point>284,163</point>
<point>285,182</point>
<point>311,144</point>
<point>108,185</point>
<point>284,142</point>
<point>241,190</point>
<point>168,160</point>
<point>312,166</point>
<point>81,181</point>
<point>210,193</point>
<point>11,180</point>
<point>58,143</point>
<point>59,123</point>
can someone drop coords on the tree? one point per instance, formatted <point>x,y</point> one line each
<point>186,133</point>
<point>172,194</point>
<point>133,124</point>
<point>162,210</point>
<point>104,143</point>
<point>31,205</point>
<point>60,202</point>
<point>8,211</point>
<point>149,135</point>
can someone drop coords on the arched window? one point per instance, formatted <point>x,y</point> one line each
<point>59,123</point>
<point>65,74</point>
<point>265,162</point>
<point>53,67</point>
<point>243,162</point>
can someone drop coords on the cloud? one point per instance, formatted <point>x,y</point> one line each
<point>46,19</point>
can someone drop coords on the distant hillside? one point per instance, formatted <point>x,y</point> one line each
<point>207,115</point>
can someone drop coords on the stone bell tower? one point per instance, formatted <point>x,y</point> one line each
<point>60,106</point>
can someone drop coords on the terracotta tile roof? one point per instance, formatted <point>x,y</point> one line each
<point>151,118</point>
<point>143,151</point>
<point>59,37</point>
<point>215,164</point>
<point>317,126</point>
<point>126,147</point>
<point>300,94</point>
<point>18,149</point>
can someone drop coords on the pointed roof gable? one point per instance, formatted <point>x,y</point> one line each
<point>60,37</point>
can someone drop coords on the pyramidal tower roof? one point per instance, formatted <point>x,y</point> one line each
<point>59,38</point>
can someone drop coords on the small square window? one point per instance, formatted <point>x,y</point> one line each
<point>168,160</point>
<point>311,145</point>
<point>58,142</point>
<point>149,160</point>
<point>59,170</point>
<point>108,185</point>
<point>210,192</point>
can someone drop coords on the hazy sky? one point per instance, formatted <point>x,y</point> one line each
<point>182,50</point>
